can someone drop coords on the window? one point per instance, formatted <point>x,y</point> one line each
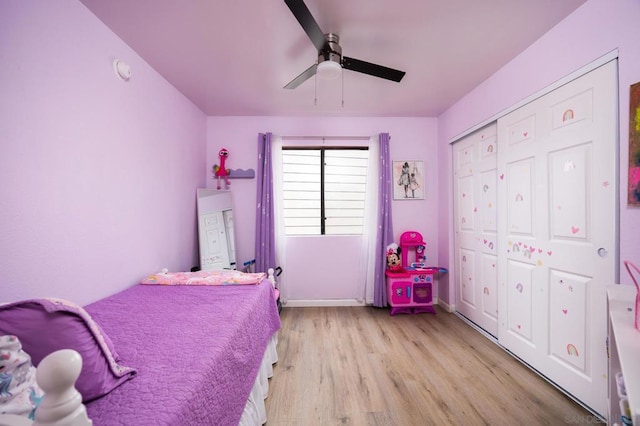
<point>324,190</point>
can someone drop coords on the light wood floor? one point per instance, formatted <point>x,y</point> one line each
<point>360,366</point>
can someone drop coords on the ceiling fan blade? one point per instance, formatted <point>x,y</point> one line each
<point>306,74</point>
<point>372,69</point>
<point>309,25</point>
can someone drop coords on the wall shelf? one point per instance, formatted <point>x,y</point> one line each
<point>238,173</point>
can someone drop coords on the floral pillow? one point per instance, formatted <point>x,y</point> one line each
<point>47,325</point>
<point>19,392</point>
<point>222,277</point>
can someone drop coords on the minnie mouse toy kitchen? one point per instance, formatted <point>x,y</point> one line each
<point>410,285</point>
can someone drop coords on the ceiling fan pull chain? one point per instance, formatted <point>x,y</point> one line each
<point>315,93</point>
<point>342,75</point>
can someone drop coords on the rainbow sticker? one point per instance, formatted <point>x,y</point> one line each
<point>486,291</point>
<point>571,350</point>
<point>568,115</point>
<point>520,287</point>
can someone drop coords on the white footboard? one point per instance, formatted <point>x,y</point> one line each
<point>62,404</point>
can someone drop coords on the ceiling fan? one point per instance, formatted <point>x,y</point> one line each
<point>330,59</point>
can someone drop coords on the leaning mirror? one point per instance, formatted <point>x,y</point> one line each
<point>215,230</point>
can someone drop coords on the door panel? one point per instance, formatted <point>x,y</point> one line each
<point>488,181</point>
<point>520,294</point>
<point>557,199</point>
<point>568,320</point>
<point>569,185</point>
<point>466,203</point>
<point>467,275</point>
<point>475,206</point>
<point>520,196</point>
<point>488,285</point>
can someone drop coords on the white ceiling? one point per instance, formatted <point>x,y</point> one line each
<point>233,57</point>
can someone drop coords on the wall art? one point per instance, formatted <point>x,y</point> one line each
<point>408,180</point>
<point>634,145</point>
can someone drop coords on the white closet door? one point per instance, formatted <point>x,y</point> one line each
<point>475,180</point>
<point>557,232</point>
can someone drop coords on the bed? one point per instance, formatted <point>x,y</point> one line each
<point>182,354</point>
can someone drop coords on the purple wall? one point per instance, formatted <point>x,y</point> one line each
<point>595,29</point>
<point>411,138</point>
<point>97,175</point>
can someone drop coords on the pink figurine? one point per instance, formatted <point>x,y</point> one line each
<point>221,171</point>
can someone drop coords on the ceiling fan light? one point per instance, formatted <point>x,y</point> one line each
<point>329,70</point>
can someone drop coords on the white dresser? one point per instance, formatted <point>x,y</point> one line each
<point>624,353</point>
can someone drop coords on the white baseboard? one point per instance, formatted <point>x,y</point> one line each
<point>342,302</point>
<point>323,302</point>
<point>451,308</point>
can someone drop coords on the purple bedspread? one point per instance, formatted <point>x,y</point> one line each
<point>197,351</point>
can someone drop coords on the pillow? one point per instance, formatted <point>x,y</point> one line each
<point>19,391</point>
<point>222,277</point>
<point>46,325</point>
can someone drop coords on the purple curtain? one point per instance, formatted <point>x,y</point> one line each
<point>265,252</point>
<point>385,224</point>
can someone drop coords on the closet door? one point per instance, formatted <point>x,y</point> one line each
<point>557,232</point>
<point>475,180</point>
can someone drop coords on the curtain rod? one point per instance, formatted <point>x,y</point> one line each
<point>349,138</point>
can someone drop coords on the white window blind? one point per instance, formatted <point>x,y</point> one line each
<point>324,190</point>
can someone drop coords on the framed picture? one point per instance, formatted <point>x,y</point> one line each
<point>408,180</point>
<point>634,145</point>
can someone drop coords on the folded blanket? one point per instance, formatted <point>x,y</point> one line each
<point>224,277</point>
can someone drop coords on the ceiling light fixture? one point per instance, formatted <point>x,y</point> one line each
<point>330,58</point>
<point>329,70</point>
<point>329,63</point>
